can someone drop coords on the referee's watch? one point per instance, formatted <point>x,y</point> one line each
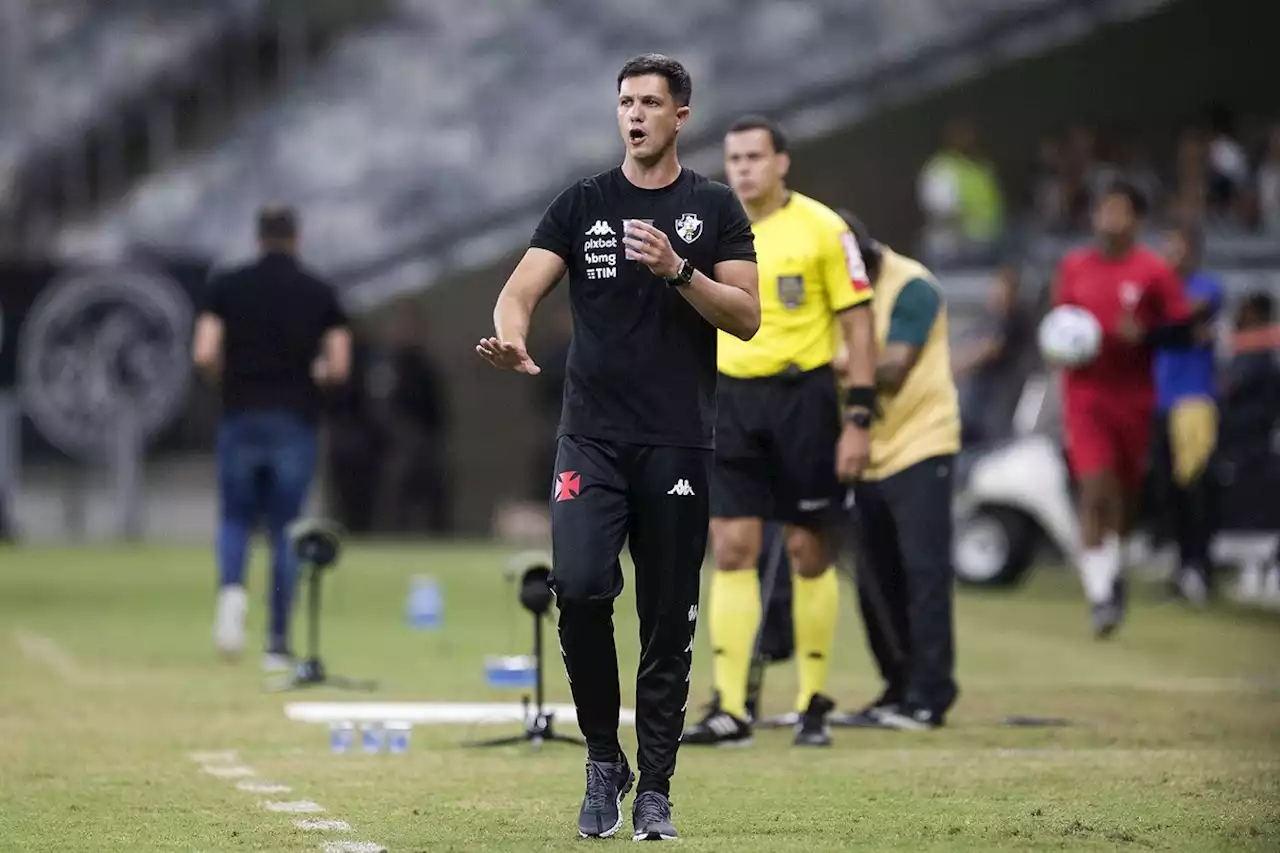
<point>684,276</point>
<point>859,418</point>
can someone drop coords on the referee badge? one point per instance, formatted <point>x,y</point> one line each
<point>791,291</point>
<point>689,227</point>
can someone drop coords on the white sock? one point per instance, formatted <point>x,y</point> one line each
<point>1099,568</point>
<point>1123,551</point>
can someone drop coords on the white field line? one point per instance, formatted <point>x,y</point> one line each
<point>262,788</point>
<point>222,763</point>
<point>322,825</point>
<point>294,807</point>
<point>49,653</point>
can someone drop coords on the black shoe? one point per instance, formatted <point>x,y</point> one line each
<point>607,783</point>
<point>1108,615</point>
<point>867,717</point>
<point>911,718</point>
<point>651,817</point>
<point>812,730</point>
<point>718,728</point>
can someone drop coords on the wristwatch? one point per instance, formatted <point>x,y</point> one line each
<point>861,419</point>
<point>684,276</point>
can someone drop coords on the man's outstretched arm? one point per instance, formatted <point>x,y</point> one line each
<point>532,279</point>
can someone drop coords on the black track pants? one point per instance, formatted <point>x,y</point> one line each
<point>655,499</point>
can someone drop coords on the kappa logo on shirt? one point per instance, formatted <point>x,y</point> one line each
<point>1130,294</point>
<point>601,229</point>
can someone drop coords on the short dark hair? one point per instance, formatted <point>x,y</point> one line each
<point>1137,199</point>
<point>678,81</point>
<point>758,122</point>
<point>277,222</point>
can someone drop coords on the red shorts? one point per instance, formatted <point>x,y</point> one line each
<point>1108,434</point>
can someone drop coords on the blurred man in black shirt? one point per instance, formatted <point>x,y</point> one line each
<point>658,258</point>
<point>271,333</point>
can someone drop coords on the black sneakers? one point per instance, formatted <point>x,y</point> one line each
<point>651,817</point>
<point>812,730</point>
<point>718,728</point>
<point>910,718</point>
<point>607,783</point>
<point>867,717</point>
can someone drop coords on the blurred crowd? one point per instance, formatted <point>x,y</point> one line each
<point>388,435</point>
<point>1220,172</point>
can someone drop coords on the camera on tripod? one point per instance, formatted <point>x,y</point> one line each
<point>317,544</point>
<point>534,571</point>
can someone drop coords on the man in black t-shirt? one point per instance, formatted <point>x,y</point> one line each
<point>658,258</point>
<point>271,333</point>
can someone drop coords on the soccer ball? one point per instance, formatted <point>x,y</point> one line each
<point>1069,336</point>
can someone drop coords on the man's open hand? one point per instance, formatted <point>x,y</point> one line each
<point>507,355</point>
<point>649,246</point>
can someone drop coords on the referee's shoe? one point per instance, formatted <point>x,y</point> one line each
<point>718,728</point>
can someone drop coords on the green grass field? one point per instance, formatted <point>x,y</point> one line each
<point>108,683</point>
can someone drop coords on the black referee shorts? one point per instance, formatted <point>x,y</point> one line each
<point>775,452</point>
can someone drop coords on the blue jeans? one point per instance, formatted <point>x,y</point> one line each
<point>266,461</point>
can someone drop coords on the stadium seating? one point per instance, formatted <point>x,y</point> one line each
<point>72,60</point>
<point>432,121</point>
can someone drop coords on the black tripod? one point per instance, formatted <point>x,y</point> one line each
<point>316,545</point>
<point>535,595</point>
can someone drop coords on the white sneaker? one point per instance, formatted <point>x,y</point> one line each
<point>228,623</point>
<point>277,662</point>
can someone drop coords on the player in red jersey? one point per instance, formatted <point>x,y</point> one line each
<point>1108,404</point>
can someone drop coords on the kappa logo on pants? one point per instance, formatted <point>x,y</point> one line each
<point>681,488</point>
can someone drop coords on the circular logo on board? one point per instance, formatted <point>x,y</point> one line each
<point>97,342</point>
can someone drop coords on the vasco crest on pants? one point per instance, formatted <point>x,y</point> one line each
<point>99,344</point>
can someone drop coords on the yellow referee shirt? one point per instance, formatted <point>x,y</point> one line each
<point>810,269</point>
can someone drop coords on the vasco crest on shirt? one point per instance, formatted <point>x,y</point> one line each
<point>791,291</point>
<point>689,227</point>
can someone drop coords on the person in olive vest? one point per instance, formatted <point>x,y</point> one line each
<point>902,503</point>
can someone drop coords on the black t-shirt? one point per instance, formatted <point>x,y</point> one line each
<point>642,362</point>
<point>275,315</point>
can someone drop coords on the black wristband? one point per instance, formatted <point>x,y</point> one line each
<point>861,395</point>
<point>1172,336</point>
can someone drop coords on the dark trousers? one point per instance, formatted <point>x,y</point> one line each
<point>905,581</point>
<point>1187,512</point>
<point>655,499</point>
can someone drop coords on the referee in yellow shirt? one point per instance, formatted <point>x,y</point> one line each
<point>903,499</point>
<point>781,451</point>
